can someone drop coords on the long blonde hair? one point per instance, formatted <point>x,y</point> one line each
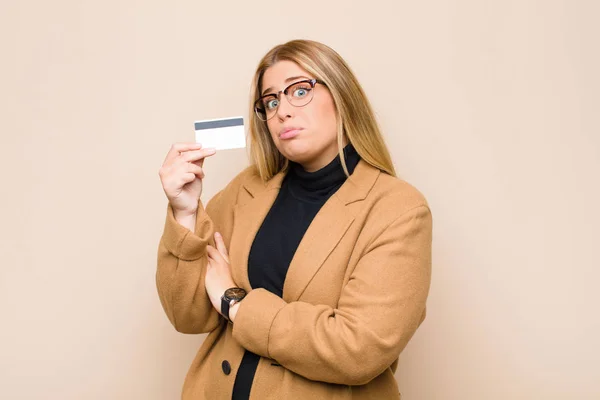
<point>354,112</point>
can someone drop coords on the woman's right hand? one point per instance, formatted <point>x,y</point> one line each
<point>181,176</point>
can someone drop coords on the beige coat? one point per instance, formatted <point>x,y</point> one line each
<point>354,293</point>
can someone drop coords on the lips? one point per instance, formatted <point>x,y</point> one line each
<point>289,129</point>
<point>289,133</point>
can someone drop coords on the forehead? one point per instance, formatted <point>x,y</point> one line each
<point>276,74</point>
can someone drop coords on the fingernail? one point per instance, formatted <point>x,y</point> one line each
<point>217,234</point>
<point>211,150</point>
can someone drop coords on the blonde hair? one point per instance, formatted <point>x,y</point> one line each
<point>354,112</point>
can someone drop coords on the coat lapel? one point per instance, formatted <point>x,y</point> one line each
<point>321,237</point>
<point>247,219</point>
<point>324,233</point>
<point>327,229</point>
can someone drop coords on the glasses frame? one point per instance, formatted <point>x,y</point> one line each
<point>312,82</point>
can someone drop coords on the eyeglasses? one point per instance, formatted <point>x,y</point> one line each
<point>298,94</point>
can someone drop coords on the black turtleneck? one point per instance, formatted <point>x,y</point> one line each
<point>300,198</point>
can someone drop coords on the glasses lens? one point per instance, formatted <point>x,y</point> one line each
<point>266,106</point>
<point>300,94</point>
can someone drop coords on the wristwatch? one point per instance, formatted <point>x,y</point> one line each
<point>230,297</point>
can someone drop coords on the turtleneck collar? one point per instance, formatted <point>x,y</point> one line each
<point>319,185</point>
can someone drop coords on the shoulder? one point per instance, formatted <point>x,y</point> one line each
<point>246,184</point>
<point>392,197</point>
<point>247,176</point>
<point>230,192</point>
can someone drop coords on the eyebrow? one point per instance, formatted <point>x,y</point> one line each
<point>293,78</point>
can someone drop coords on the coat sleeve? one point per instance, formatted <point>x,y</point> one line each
<point>379,310</point>
<point>182,261</point>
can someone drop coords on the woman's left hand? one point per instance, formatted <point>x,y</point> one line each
<point>218,273</point>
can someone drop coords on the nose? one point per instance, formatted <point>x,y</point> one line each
<point>285,109</point>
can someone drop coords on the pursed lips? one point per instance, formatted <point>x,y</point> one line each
<point>286,130</point>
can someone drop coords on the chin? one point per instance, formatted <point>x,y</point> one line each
<point>295,150</point>
<point>296,157</point>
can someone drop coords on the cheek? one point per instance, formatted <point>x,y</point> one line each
<point>325,115</point>
<point>273,129</point>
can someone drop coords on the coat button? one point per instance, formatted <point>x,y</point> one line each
<point>226,367</point>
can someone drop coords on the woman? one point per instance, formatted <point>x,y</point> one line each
<point>310,270</point>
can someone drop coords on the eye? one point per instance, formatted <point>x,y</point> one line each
<point>271,104</point>
<point>301,91</point>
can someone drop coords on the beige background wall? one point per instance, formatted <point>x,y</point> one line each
<point>489,107</point>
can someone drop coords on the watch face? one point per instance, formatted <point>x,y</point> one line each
<point>235,293</point>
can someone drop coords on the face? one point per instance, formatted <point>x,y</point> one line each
<point>307,134</point>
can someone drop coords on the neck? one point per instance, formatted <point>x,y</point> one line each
<point>312,186</point>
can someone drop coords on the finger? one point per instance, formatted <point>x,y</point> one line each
<point>211,261</point>
<point>197,155</point>
<point>199,163</point>
<point>215,254</point>
<point>221,246</point>
<point>209,264</point>
<point>187,178</point>
<point>178,148</point>
<point>210,251</point>
<point>194,169</point>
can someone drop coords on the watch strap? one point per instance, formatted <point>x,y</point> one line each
<point>225,306</point>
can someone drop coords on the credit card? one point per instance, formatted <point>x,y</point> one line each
<point>221,134</point>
